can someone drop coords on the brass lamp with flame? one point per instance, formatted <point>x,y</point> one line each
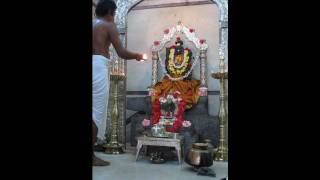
<point>114,147</point>
<point>222,152</point>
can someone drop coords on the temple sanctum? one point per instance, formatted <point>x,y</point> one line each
<point>167,115</point>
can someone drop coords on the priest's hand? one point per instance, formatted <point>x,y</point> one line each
<point>139,57</point>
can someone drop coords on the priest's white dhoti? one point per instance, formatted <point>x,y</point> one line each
<point>100,92</point>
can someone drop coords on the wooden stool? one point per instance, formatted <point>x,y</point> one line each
<point>154,141</point>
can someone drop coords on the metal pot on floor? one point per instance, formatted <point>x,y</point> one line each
<point>200,155</point>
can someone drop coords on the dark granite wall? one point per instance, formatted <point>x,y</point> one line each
<point>203,126</point>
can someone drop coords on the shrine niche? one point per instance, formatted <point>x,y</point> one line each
<point>177,86</point>
<point>198,113</point>
<point>178,65</point>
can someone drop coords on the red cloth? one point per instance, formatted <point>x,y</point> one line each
<point>156,113</point>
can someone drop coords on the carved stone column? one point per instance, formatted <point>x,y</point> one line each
<point>203,68</point>
<point>203,73</point>
<point>224,42</point>
<point>155,59</point>
<point>223,39</point>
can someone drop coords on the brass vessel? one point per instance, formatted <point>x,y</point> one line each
<point>200,155</point>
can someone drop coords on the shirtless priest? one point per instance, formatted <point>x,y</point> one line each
<point>104,33</point>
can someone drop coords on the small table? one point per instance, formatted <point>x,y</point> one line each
<point>154,141</point>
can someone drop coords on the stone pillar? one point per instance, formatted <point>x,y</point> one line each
<point>155,59</point>
<point>203,73</point>
<point>224,43</point>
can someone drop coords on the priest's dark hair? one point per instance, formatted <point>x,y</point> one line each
<point>105,7</point>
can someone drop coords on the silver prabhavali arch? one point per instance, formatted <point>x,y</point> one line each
<point>201,54</point>
<point>121,19</point>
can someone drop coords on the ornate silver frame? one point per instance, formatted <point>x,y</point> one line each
<point>201,48</point>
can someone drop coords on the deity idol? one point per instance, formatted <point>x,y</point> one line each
<point>178,64</point>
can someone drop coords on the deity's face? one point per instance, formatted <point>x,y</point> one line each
<point>179,49</point>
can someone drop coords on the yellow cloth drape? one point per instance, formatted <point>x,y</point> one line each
<point>188,89</point>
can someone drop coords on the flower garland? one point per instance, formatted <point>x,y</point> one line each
<point>180,28</point>
<point>181,77</point>
<point>173,68</point>
<point>191,36</point>
<point>185,59</point>
<point>160,114</point>
<point>168,104</point>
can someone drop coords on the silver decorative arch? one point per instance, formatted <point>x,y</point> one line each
<point>124,6</point>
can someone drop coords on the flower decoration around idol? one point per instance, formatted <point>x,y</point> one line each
<point>156,43</point>
<point>145,123</point>
<point>202,91</point>
<point>180,28</point>
<point>151,91</point>
<point>168,105</point>
<point>168,111</point>
<point>178,69</point>
<point>186,123</point>
<point>202,41</point>
<point>178,72</point>
<point>181,71</point>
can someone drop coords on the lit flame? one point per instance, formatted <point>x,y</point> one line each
<point>144,56</point>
